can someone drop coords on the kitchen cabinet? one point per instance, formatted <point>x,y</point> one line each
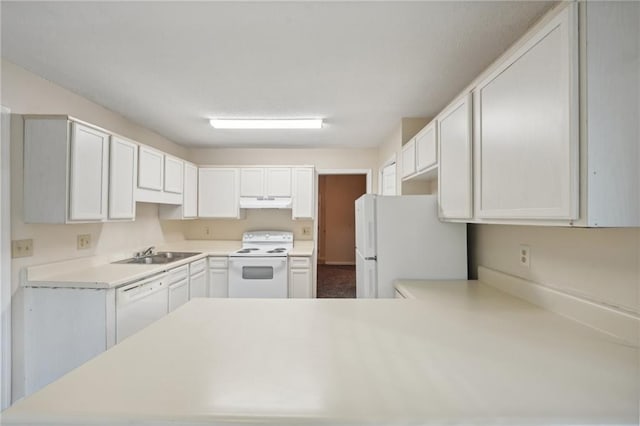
<point>160,177</point>
<point>426,148</point>
<point>66,171</point>
<point>178,279</point>
<point>189,207</point>
<point>218,277</point>
<point>198,279</point>
<point>173,174</point>
<point>150,169</point>
<point>218,192</point>
<point>455,159</point>
<point>408,158</point>
<point>527,141</point>
<point>265,182</point>
<point>303,203</point>
<point>300,278</point>
<point>123,166</point>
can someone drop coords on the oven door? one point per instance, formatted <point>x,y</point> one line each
<point>258,277</point>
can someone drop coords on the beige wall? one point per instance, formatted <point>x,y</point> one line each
<point>26,93</point>
<point>258,219</point>
<point>601,265</point>
<point>336,214</point>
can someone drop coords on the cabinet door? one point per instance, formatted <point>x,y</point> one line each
<point>278,182</point>
<point>198,285</point>
<point>89,173</point>
<point>408,158</point>
<point>426,151</point>
<point>123,165</point>
<point>190,194</point>
<point>303,193</point>
<point>454,171</point>
<point>178,294</point>
<point>252,182</point>
<point>173,174</point>
<point>150,168</point>
<point>218,283</point>
<point>300,284</point>
<point>218,193</point>
<point>528,138</point>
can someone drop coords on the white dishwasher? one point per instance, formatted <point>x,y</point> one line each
<point>139,304</point>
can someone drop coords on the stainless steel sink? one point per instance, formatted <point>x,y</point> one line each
<point>158,258</point>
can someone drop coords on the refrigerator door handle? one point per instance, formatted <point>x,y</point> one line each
<point>371,258</point>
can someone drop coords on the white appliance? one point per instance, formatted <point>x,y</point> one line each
<point>140,304</point>
<point>402,237</point>
<point>259,268</point>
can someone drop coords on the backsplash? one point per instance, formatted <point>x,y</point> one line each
<point>258,219</point>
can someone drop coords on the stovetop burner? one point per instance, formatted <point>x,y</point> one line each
<point>265,243</point>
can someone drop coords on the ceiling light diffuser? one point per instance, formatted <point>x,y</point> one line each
<point>257,123</point>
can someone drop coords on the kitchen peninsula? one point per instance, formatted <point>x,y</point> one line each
<point>470,354</point>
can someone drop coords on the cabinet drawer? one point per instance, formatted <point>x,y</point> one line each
<point>178,274</point>
<point>299,262</point>
<point>198,266</point>
<point>218,262</point>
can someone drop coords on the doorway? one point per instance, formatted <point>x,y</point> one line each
<point>336,233</point>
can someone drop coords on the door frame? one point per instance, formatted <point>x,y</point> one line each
<point>5,259</point>
<point>316,223</point>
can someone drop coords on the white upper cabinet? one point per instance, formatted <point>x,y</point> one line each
<point>173,174</point>
<point>123,164</point>
<point>409,158</point>
<point>527,140</point>
<point>189,207</point>
<point>190,193</point>
<point>150,169</point>
<point>252,182</point>
<point>278,182</point>
<point>160,177</point>
<point>454,170</point>
<point>303,193</point>
<point>265,182</point>
<point>426,150</point>
<point>88,174</point>
<point>65,171</point>
<point>218,192</point>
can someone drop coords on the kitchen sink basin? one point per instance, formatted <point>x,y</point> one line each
<point>159,258</point>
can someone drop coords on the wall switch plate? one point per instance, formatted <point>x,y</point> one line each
<point>84,241</point>
<point>525,256</point>
<point>306,230</point>
<point>22,248</point>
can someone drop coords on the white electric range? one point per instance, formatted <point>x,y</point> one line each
<point>259,268</point>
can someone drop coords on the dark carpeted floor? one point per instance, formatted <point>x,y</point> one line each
<point>336,281</point>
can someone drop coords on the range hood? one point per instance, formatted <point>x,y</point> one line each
<point>265,202</point>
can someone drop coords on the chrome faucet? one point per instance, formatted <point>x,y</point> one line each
<point>146,252</point>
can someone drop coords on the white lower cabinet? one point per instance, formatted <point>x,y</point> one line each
<point>218,277</point>
<point>198,279</point>
<point>300,278</point>
<point>178,287</point>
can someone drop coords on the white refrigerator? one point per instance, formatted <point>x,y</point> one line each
<point>402,237</point>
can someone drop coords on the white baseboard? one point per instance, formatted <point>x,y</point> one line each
<point>606,319</point>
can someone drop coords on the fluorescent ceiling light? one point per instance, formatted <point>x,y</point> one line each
<point>251,123</point>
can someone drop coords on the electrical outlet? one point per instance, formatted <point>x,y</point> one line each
<point>306,230</point>
<point>525,256</point>
<point>22,248</point>
<point>84,241</point>
<point>207,231</point>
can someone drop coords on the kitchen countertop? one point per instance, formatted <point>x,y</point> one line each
<point>99,273</point>
<point>464,353</point>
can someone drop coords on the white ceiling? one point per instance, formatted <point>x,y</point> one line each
<point>172,65</point>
